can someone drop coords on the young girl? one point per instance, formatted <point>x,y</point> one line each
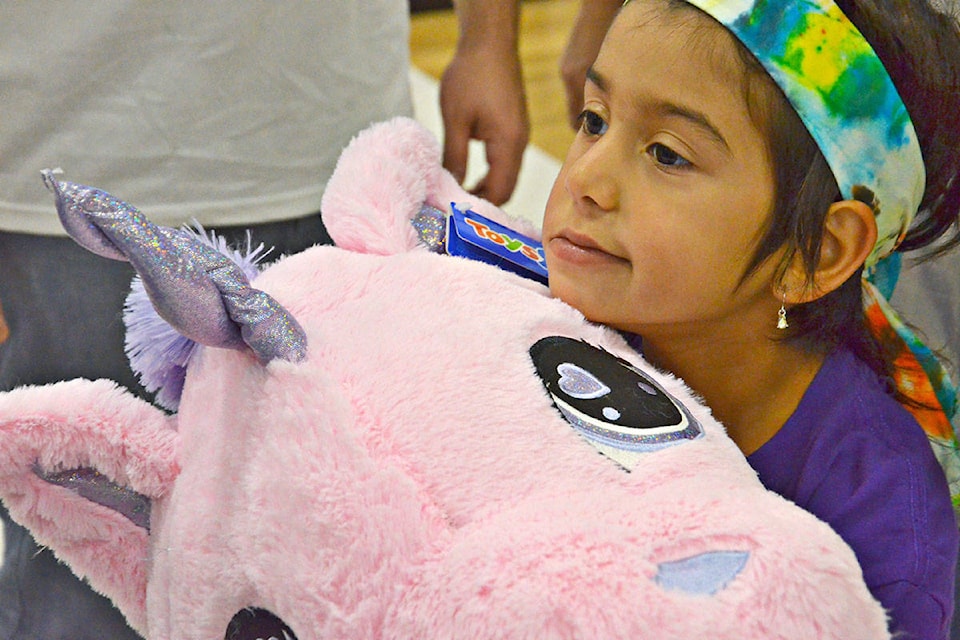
<point>737,166</point>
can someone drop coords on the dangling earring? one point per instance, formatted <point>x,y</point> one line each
<point>782,314</point>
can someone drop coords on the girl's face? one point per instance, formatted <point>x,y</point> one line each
<point>668,188</point>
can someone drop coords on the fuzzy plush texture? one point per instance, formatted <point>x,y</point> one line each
<point>412,478</point>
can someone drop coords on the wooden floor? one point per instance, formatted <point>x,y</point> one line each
<point>544,27</point>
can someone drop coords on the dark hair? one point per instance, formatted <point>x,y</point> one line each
<point>920,48</point>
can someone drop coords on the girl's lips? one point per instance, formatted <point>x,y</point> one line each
<point>574,247</point>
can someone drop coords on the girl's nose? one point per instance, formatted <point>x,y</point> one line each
<point>591,179</point>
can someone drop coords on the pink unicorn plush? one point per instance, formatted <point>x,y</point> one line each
<point>379,441</point>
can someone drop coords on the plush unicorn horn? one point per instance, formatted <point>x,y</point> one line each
<point>204,295</point>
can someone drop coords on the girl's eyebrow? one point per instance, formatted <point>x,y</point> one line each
<point>694,117</point>
<point>594,76</point>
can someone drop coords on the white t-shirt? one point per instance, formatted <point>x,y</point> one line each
<point>226,111</point>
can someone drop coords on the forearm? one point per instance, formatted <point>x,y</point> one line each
<point>599,11</point>
<point>593,20</point>
<point>482,95</point>
<point>488,25</point>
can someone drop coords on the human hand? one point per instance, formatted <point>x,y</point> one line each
<point>482,98</point>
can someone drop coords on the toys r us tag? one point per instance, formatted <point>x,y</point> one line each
<point>471,235</point>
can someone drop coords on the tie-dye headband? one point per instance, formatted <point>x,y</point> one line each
<point>843,94</point>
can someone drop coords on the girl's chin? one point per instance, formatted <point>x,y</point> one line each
<point>577,297</point>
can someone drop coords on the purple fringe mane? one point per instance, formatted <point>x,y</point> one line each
<point>157,353</point>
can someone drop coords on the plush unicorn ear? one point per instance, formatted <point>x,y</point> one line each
<point>80,464</point>
<point>383,179</point>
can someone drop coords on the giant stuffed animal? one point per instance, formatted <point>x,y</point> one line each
<point>377,440</point>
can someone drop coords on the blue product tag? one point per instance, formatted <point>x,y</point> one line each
<point>471,235</point>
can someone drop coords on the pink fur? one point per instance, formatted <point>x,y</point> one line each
<point>412,478</point>
<point>96,425</point>
<point>387,172</point>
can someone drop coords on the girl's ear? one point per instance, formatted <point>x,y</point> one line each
<point>849,235</point>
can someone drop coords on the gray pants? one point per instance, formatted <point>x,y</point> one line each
<point>64,306</point>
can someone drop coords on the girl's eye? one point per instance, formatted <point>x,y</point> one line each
<point>667,156</point>
<point>592,124</point>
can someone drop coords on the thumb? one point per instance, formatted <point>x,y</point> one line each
<point>504,161</point>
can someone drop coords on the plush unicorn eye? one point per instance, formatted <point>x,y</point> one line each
<point>579,383</point>
<point>614,405</point>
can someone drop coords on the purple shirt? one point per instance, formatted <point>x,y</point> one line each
<point>855,458</point>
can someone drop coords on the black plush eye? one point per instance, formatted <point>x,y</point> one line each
<point>610,402</point>
<point>257,624</point>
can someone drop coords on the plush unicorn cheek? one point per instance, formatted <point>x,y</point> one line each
<point>701,575</point>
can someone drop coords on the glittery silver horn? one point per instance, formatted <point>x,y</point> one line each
<point>200,292</point>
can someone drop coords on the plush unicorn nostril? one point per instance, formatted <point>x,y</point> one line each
<point>258,624</point>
